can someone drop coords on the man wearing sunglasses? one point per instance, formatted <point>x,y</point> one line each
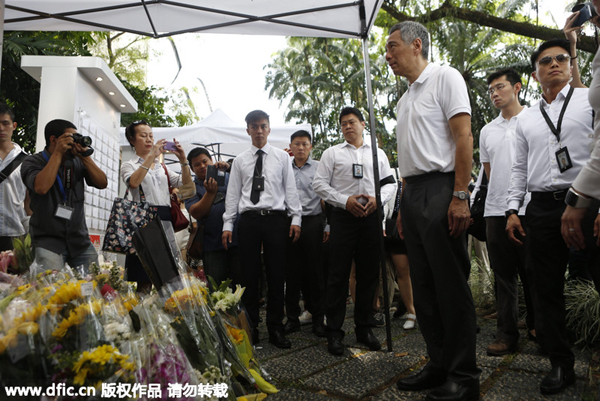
<point>552,144</point>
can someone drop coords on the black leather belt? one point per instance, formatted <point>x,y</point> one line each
<point>264,212</point>
<point>550,196</point>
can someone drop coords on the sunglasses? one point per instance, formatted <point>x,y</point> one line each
<point>560,58</point>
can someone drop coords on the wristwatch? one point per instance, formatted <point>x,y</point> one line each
<point>577,201</point>
<point>462,195</point>
<point>511,211</point>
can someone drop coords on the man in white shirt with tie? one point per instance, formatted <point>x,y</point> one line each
<point>262,189</point>
<point>553,140</point>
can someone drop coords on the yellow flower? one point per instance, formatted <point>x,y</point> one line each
<point>76,317</point>
<point>28,328</point>
<point>236,334</point>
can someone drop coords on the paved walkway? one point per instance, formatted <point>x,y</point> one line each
<point>308,372</point>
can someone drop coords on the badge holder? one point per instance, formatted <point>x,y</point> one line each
<point>357,170</point>
<point>563,159</point>
<point>258,184</point>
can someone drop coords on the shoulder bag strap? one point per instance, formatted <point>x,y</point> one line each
<point>12,166</point>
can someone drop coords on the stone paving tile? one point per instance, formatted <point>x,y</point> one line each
<point>531,360</point>
<point>392,393</point>
<point>296,394</point>
<point>525,386</point>
<point>308,372</point>
<point>360,375</point>
<point>301,364</point>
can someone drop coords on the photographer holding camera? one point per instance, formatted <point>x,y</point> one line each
<point>54,178</point>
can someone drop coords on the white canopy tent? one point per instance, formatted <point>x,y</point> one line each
<point>160,18</point>
<point>222,136</point>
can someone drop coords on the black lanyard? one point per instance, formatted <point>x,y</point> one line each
<point>556,130</point>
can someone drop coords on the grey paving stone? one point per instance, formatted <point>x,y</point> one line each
<point>392,393</point>
<point>296,394</point>
<point>525,386</point>
<point>360,375</point>
<point>301,364</point>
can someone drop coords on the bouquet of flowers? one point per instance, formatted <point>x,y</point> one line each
<point>231,323</point>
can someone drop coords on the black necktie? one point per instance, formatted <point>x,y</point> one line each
<point>255,194</point>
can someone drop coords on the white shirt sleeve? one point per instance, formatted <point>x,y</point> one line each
<point>322,181</point>
<point>234,192</point>
<point>517,188</point>
<point>388,190</point>
<point>292,199</point>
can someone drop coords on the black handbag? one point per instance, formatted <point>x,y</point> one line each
<point>126,217</point>
<point>478,228</point>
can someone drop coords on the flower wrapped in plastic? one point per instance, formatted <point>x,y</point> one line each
<point>230,319</point>
<point>22,350</point>
<point>161,359</point>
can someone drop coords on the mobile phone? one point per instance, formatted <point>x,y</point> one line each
<point>585,13</point>
<point>170,146</point>
<point>213,172</point>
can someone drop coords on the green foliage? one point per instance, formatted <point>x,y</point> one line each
<point>320,76</point>
<point>19,90</point>
<point>23,253</point>
<point>582,304</point>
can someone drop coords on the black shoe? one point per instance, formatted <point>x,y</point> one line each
<point>425,379</point>
<point>451,391</point>
<point>335,346</point>
<point>377,320</point>
<point>292,326</point>
<point>277,338</point>
<point>255,338</point>
<point>557,380</point>
<point>319,330</point>
<point>367,338</point>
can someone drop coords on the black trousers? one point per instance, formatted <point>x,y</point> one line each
<point>269,233</point>
<point>352,238</point>
<point>304,270</point>
<point>547,258</point>
<point>439,269</point>
<point>507,260</point>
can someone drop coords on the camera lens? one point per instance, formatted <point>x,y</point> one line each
<point>83,140</point>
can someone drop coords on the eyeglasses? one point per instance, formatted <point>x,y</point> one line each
<point>560,58</point>
<point>498,87</point>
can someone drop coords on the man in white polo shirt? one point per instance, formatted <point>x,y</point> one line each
<point>496,146</point>
<point>435,148</point>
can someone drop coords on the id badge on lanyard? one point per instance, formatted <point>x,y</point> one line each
<point>563,159</point>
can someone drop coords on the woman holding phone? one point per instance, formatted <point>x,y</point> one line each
<point>146,174</point>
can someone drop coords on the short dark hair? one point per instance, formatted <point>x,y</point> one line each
<point>564,43</point>
<point>512,76</point>
<point>300,134</point>
<point>130,130</point>
<point>197,152</point>
<point>4,109</point>
<point>351,110</point>
<point>56,128</point>
<point>255,116</point>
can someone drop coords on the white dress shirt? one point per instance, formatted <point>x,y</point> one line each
<point>534,167</point>
<point>497,147</point>
<point>12,195</point>
<point>154,184</point>
<point>280,186</point>
<point>588,180</point>
<point>425,142</point>
<point>335,183</point>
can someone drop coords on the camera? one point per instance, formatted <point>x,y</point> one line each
<point>83,140</point>
<point>586,12</point>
